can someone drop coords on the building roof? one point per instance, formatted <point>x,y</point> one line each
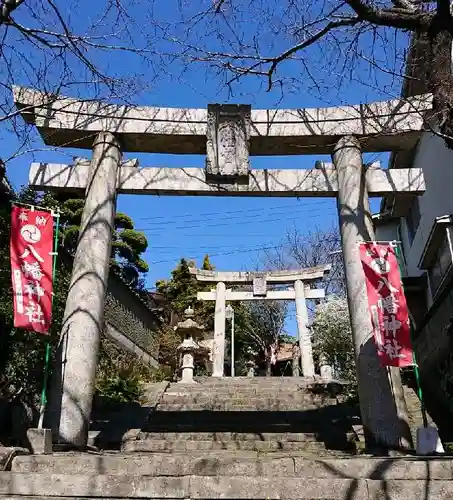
<point>156,300</point>
<point>285,353</point>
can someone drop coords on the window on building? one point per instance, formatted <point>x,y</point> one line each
<point>441,265</point>
<point>413,219</point>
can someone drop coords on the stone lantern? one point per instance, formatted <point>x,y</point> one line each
<point>251,368</point>
<point>190,331</point>
<point>325,369</point>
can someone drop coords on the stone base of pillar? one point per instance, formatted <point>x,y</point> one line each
<point>40,441</point>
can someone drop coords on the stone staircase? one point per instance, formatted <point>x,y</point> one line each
<point>231,439</point>
<point>245,414</point>
<point>225,476</point>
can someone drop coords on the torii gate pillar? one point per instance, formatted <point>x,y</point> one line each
<point>218,355</point>
<point>73,387</point>
<point>384,413</point>
<point>306,350</point>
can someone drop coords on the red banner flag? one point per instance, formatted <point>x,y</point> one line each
<point>387,304</point>
<point>31,248</point>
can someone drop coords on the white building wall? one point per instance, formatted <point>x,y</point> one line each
<point>436,161</point>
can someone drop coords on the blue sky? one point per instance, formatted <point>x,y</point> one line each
<point>235,232</point>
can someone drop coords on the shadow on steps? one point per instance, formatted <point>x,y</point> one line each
<point>331,425</point>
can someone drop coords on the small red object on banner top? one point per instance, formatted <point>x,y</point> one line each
<point>31,248</point>
<point>387,304</point>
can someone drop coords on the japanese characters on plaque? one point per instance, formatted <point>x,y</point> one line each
<point>31,247</point>
<point>387,304</point>
<point>259,285</point>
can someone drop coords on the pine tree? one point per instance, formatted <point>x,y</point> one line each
<point>181,292</point>
<point>207,266</point>
<point>128,245</point>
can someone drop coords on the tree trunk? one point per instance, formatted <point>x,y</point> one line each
<point>268,360</point>
<point>440,75</point>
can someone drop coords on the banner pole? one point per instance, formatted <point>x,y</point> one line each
<point>42,408</point>
<point>414,357</point>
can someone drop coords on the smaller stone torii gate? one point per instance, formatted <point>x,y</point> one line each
<point>227,135</point>
<point>300,292</point>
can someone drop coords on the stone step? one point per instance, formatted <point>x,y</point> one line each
<point>238,387</point>
<point>271,394</point>
<point>227,436</point>
<point>327,429</point>
<point>322,415</point>
<point>334,431</point>
<point>254,396</point>
<point>344,441</point>
<point>224,384</point>
<point>226,406</point>
<point>249,399</point>
<point>14,485</point>
<point>247,464</point>
<point>257,391</point>
<point>160,445</point>
<point>257,380</point>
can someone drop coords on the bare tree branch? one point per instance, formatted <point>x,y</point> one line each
<point>306,43</point>
<point>408,19</point>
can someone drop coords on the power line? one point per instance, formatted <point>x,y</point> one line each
<point>232,252</point>
<point>203,252</point>
<point>208,250</point>
<point>224,235</point>
<point>300,204</point>
<point>220,253</point>
<point>234,217</point>
<point>239,223</point>
<point>188,249</point>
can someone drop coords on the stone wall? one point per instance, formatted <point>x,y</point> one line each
<point>433,343</point>
<point>127,313</point>
<point>129,321</point>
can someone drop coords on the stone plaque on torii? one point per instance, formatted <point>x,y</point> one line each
<point>259,285</point>
<point>299,292</point>
<point>226,134</point>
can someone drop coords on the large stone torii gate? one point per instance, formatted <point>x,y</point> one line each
<point>226,134</point>
<point>299,292</point>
